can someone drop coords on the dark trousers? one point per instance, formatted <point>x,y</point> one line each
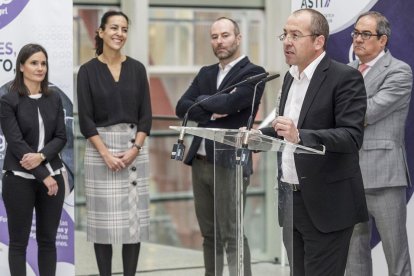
<point>20,197</point>
<point>311,252</point>
<point>219,229</point>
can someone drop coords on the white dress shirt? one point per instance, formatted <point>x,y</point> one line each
<point>292,110</point>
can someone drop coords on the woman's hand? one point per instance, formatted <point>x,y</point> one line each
<point>128,156</point>
<point>31,161</point>
<point>51,185</point>
<point>114,162</point>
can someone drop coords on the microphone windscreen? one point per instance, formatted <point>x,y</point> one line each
<point>272,77</point>
<point>257,77</point>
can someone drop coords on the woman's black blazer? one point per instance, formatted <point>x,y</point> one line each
<point>20,125</point>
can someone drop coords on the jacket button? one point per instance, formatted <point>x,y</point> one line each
<point>133,169</point>
<point>134,183</point>
<point>132,141</point>
<point>131,126</point>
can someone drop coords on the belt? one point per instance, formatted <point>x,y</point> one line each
<point>201,157</point>
<point>293,187</point>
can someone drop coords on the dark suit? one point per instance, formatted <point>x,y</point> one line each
<point>237,104</point>
<point>20,125</point>
<point>332,115</point>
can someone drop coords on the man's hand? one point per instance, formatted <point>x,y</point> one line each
<point>218,116</point>
<point>286,128</point>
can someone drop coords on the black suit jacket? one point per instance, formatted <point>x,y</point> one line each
<point>236,103</point>
<point>20,126</point>
<point>332,115</point>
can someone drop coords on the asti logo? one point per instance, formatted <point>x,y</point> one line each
<point>5,2</point>
<point>312,4</point>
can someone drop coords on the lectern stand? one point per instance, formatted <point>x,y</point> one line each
<point>230,180</point>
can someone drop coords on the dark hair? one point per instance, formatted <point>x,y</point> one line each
<point>236,26</point>
<point>104,20</point>
<point>18,83</point>
<point>383,25</point>
<point>319,24</point>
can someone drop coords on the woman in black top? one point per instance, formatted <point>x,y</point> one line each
<point>32,120</point>
<point>115,118</point>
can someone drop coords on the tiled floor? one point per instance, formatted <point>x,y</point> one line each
<point>158,260</point>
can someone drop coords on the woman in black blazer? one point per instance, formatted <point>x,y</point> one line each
<point>32,121</point>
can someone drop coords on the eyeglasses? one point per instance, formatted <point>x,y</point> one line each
<point>293,37</point>
<point>364,35</point>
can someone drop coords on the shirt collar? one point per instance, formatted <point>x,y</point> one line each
<point>372,62</point>
<point>309,70</point>
<point>231,64</point>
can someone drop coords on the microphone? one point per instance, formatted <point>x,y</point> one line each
<point>242,154</point>
<point>178,150</point>
<point>264,80</point>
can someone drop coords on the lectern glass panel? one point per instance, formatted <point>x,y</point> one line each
<point>232,178</point>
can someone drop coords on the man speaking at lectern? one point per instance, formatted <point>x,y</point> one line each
<point>322,104</point>
<point>229,110</point>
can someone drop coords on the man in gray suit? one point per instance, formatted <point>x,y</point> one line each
<point>388,83</point>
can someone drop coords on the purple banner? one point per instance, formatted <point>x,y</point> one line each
<point>9,10</point>
<point>49,23</point>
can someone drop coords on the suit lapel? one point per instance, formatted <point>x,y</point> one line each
<point>378,68</point>
<point>317,79</point>
<point>287,83</point>
<point>236,68</point>
<point>211,79</point>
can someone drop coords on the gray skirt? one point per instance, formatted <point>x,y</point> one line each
<point>117,203</point>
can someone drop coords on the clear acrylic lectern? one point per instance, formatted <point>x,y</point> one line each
<point>231,178</point>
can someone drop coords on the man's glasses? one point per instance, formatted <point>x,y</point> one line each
<point>364,35</point>
<point>293,37</point>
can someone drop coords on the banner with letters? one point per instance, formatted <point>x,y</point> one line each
<point>341,16</point>
<point>48,23</point>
